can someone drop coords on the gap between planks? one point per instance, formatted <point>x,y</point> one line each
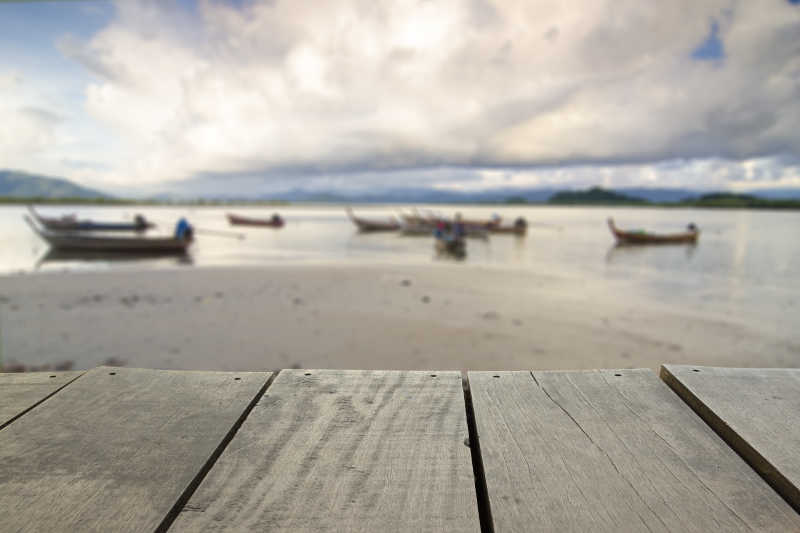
<point>189,491</point>
<point>481,489</point>
<point>24,411</point>
<point>770,473</point>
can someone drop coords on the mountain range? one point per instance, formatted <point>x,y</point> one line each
<point>500,195</point>
<point>18,184</point>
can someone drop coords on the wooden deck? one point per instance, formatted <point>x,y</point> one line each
<point>756,411</point>
<point>122,449</point>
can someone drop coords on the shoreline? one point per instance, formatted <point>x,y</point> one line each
<point>371,317</point>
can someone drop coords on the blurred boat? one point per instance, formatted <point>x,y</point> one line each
<point>417,229</point>
<point>487,223</point>
<point>369,225</point>
<point>426,230</point>
<point>475,232</point>
<point>432,219</point>
<point>642,237</point>
<point>419,224</point>
<point>60,240</point>
<point>274,222</point>
<point>418,219</point>
<point>520,227</point>
<point>71,223</point>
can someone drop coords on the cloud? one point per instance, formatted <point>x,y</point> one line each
<point>706,174</point>
<point>43,116</point>
<point>9,80</point>
<point>298,88</point>
<point>269,183</point>
<point>44,128</point>
<point>26,129</point>
<point>709,173</point>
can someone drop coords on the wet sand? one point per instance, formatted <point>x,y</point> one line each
<point>371,317</point>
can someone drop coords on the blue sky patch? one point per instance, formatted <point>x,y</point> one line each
<point>711,49</point>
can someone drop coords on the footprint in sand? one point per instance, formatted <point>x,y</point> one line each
<point>130,301</point>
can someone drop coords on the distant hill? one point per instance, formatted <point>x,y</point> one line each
<point>410,195</point>
<point>390,192</point>
<point>660,195</point>
<point>513,195</point>
<point>724,199</point>
<point>785,193</point>
<point>594,196</point>
<point>507,195</point>
<point>15,184</point>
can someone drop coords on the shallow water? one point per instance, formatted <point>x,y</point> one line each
<point>753,246</point>
<point>746,262</point>
<point>730,299</point>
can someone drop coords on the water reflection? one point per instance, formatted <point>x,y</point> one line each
<point>55,256</point>
<point>445,254</point>
<point>619,251</point>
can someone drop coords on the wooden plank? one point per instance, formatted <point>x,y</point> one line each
<point>756,411</point>
<point>610,451</point>
<point>329,450</point>
<point>22,391</point>
<point>116,449</point>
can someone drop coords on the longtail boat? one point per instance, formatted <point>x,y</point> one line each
<point>520,227</point>
<point>418,219</point>
<point>426,230</point>
<point>274,222</point>
<point>496,220</point>
<point>372,225</point>
<point>71,223</point>
<point>418,224</point>
<point>642,237</point>
<point>432,219</point>
<point>79,241</point>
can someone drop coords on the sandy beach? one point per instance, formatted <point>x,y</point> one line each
<point>388,317</point>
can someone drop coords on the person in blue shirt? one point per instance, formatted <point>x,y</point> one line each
<point>458,227</point>
<point>183,230</point>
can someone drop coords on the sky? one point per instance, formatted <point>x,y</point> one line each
<point>240,97</point>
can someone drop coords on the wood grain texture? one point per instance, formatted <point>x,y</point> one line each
<point>22,391</point>
<point>756,411</point>
<point>115,449</point>
<point>611,451</point>
<point>328,450</point>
